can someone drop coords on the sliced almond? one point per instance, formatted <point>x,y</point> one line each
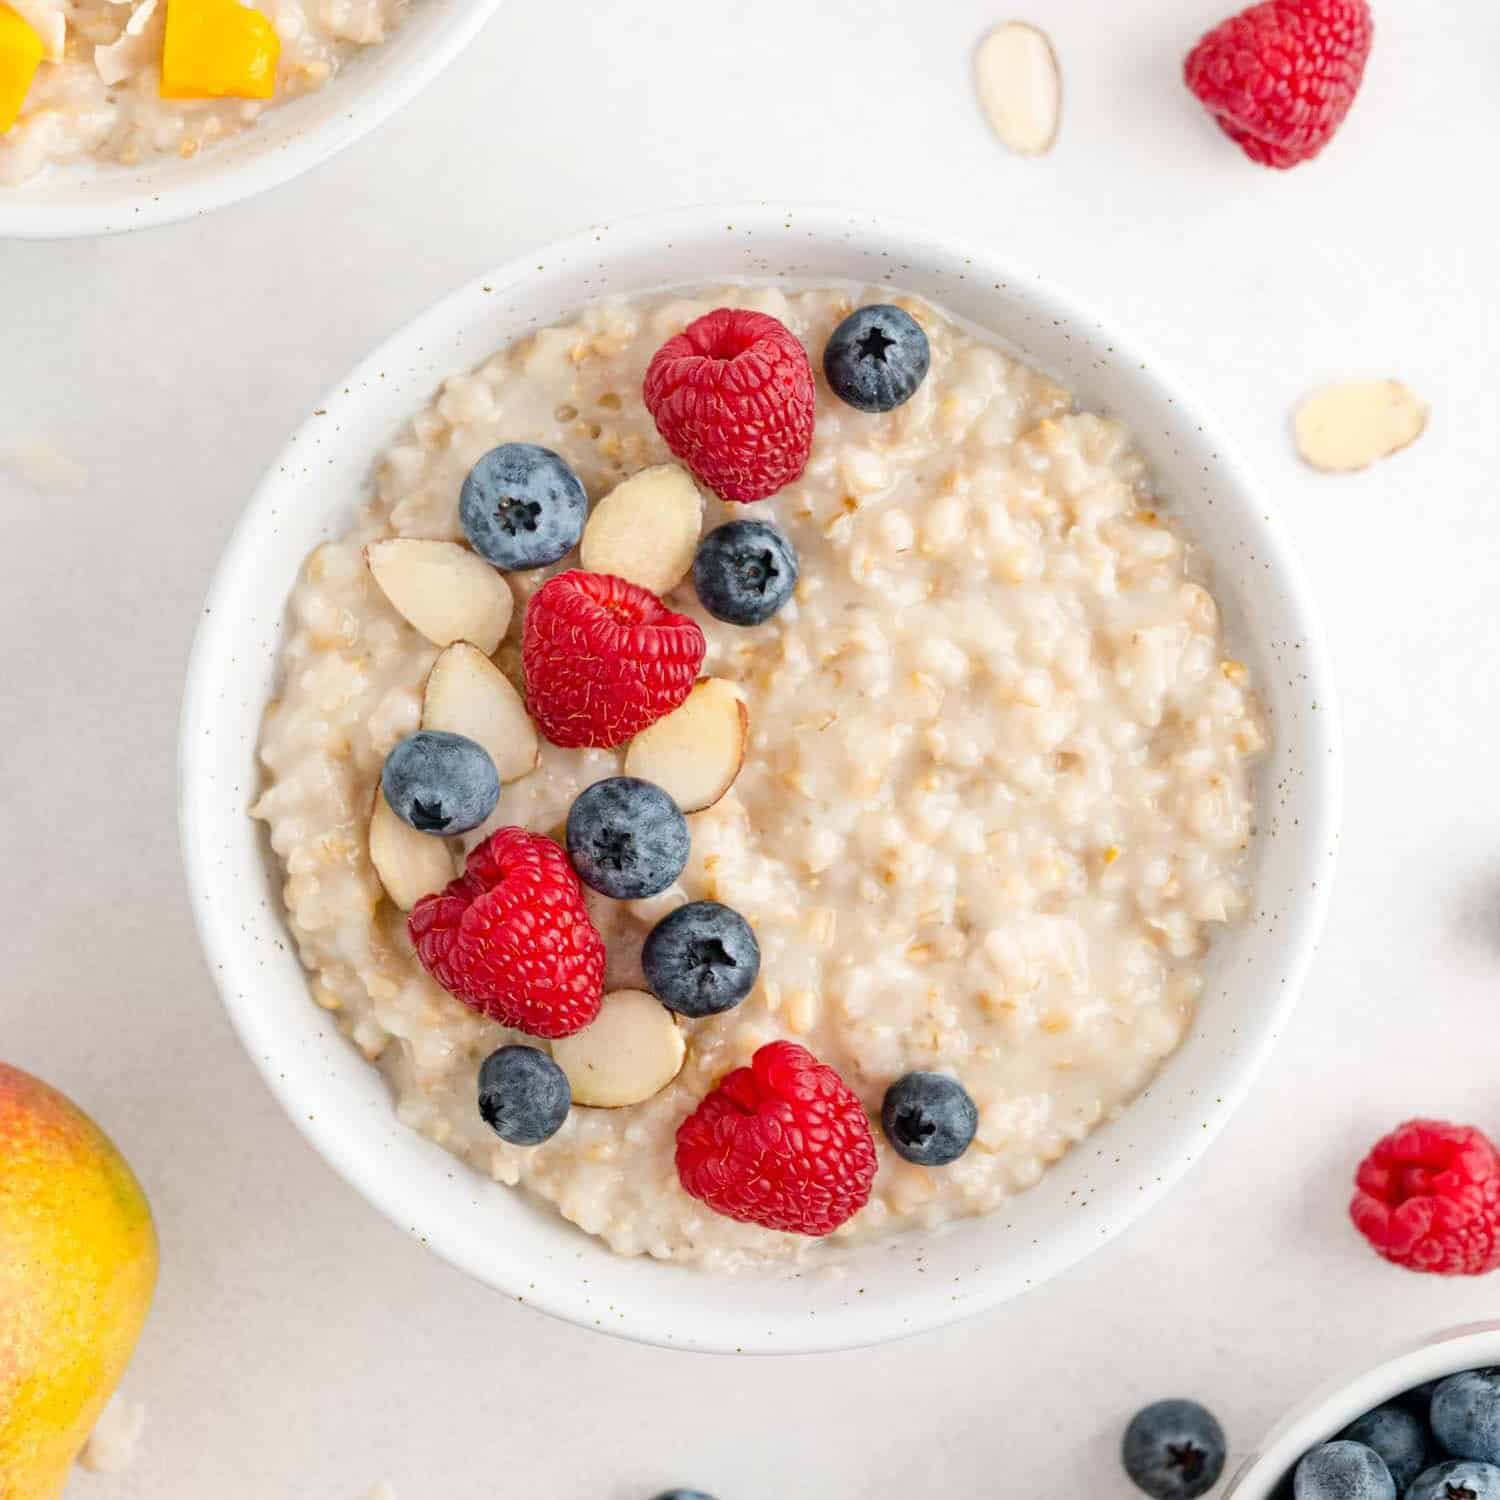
<point>1341,428</point>
<point>696,751</point>
<point>443,589</point>
<point>646,530</point>
<point>468,694</point>
<point>1020,87</point>
<point>410,864</point>
<point>632,1050</point>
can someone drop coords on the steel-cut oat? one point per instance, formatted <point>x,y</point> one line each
<point>995,802</point>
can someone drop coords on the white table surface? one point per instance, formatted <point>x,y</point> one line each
<point>303,1349</point>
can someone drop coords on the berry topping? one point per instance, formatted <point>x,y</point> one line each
<point>783,1143</point>
<point>1459,1479</point>
<point>1466,1415</point>
<point>1397,1436</point>
<point>522,507</point>
<point>684,1495</point>
<point>1173,1450</point>
<point>511,937</point>
<point>733,397</point>
<point>1343,1471</point>
<point>929,1118</point>
<point>745,571</point>
<point>604,659</point>
<point>1280,77</point>
<point>627,838</point>
<point>1428,1198</point>
<point>523,1095</point>
<point>440,783</point>
<point>876,358</point>
<point>701,959</point>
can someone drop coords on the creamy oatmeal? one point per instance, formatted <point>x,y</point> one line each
<point>97,91</point>
<point>995,800</point>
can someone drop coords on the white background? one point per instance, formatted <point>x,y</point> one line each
<point>301,1348</point>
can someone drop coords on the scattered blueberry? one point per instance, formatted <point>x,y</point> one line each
<point>1173,1450</point>
<point>1458,1479</point>
<point>523,1095</point>
<point>1397,1436</point>
<point>1466,1415</point>
<point>876,358</point>
<point>627,838</point>
<point>440,783</point>
<point>929,1118</point>
<point>1343,1471</point>
<point>683,1495</point>
<point>701,959</point>
<point>522,507</point>
<point>744,571</point>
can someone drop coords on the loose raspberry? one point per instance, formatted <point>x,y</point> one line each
<point>604,659</point>
<point>1428,1198</point>
<point>512,939</point>
<point>733,396</point>
<point>783,1144</point>
<point>1280,77</point>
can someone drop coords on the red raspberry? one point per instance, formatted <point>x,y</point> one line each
<point>604,659</point>
<point>733,396</point>
<point>1280,77</point>
<point>1428,1198</point>
<point>512,939</point>
<point>783,1144</point>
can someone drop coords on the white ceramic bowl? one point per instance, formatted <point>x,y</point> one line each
<point>912,1282</point>
<point>88,199</point>
<point>1334,1406</point>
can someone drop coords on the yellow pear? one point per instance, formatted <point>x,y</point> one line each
<point>77,1269</point>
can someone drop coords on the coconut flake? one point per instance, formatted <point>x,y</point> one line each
<point>47,19</point>
<point>112,1444</point>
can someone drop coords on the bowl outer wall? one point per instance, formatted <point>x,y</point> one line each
<point>911,1282</point>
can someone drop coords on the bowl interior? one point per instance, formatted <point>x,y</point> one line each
<point>874,1293</point>
<point>1334,1405</point>
<point>88,198</point>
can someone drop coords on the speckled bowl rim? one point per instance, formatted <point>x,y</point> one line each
<point>93,200</point>
<point>1332,1406</point>
<point>917,1281</point>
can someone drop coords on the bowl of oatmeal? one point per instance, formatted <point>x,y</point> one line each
<point>1037,788</point>
<point>122,114</point>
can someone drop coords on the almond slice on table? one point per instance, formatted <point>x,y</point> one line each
<point>468,694</point>
<point>1342,428</point>
<point>1020,87</point>
<point>631,1051</point>
<point>443,589</point>
<point>410,864</point>
<point>695,752</point>
<point>646,529</point>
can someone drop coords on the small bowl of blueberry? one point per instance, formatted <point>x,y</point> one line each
<point>1422,1425</point>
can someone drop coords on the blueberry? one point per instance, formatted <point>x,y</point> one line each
<point>440,783</point>
<point>1458,1479</point>
<point>1343,1471</point>
<point>1173,1450</point>
<point>627,838</point>
<point>1466,1415</point>
<point>683,1495</point>
<point>929,1118</point>
<point>701,959</point>
<point>523,1095</point>
<point>1397,1436</point>
<point>876,358</point>
<point>744,571</point>
<point>522,507</point>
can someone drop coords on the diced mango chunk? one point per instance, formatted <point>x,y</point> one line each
<point>218,49</point>
<point>20,56</point>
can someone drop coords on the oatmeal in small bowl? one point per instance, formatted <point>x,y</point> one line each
<point>774,780</point>
<point>119,114</point>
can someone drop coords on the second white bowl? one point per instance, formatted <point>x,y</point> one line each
<point>916,1281</point>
